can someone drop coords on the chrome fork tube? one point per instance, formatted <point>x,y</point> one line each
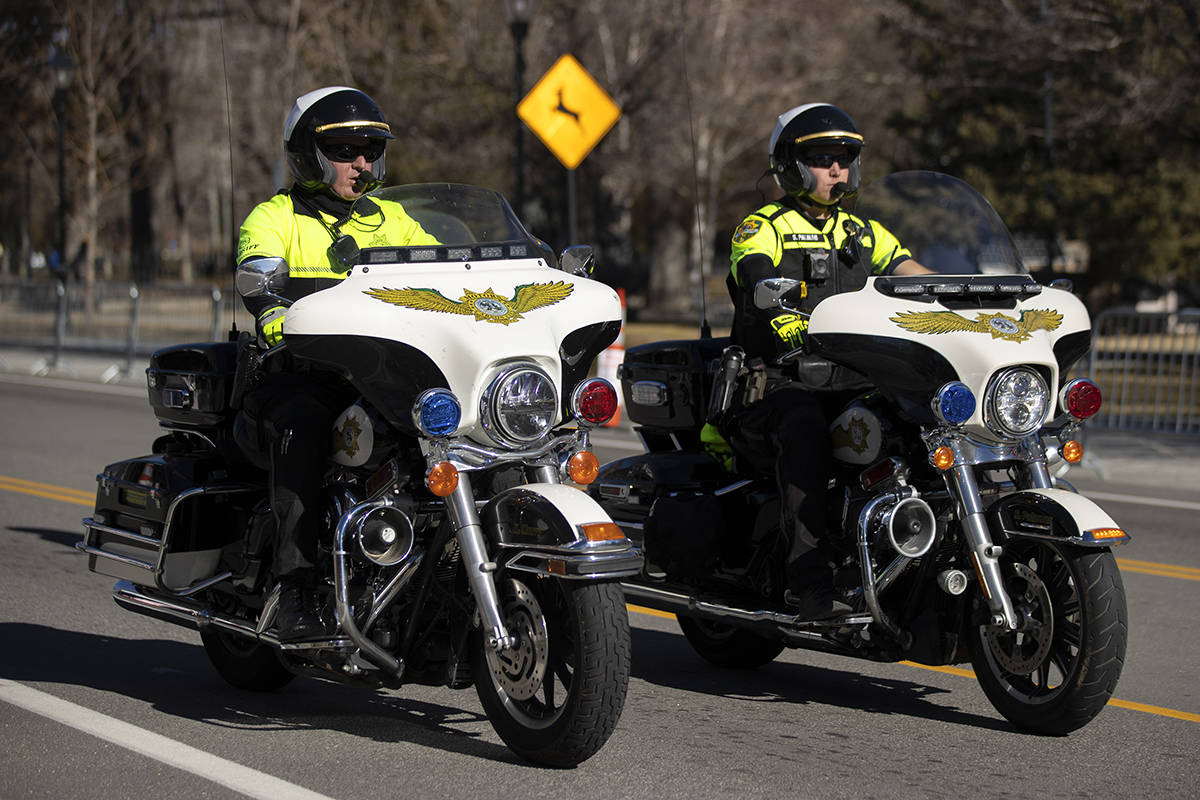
<point>543,474</point>
<point>460,509</point>
<point>983,551</point>
<point>1039,475</point>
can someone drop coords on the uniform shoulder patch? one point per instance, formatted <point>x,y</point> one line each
<point>746,230</point>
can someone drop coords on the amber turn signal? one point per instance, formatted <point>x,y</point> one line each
<point>442,479</point>
<point>583,467</point>
<point>942,458</point>
<point>1072,452</point>
<point>1103,534</point>
<point>602,532</point>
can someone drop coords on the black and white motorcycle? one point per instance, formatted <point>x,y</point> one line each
<point>953,540</point>
<point>458,548</point>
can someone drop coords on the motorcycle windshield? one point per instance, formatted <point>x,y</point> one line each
<point>945,224</point>
<point>461,218</point>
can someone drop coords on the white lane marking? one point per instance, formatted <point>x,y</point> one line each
<point>1143,501</point>
<point>249,782</point>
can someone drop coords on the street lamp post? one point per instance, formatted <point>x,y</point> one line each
<point>519,12</point>
<point>62,71</point>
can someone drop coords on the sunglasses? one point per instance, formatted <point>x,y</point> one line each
<point>346,152</point>
<point>825,160</point>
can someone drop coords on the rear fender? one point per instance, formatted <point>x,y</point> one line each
<point>553,529</point>
<point>1057,515</point>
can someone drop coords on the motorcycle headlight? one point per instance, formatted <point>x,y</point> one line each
<point>519,406</point>
<point>1017,401</point>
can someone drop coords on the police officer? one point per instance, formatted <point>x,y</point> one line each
<point>334,143</point>
<point>815,158</point>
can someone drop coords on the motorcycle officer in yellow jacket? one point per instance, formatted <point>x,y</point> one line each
<point>334,143</point>
<point>815,158</point>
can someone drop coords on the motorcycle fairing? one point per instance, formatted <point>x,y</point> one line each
<point>439,343</point>
<point>391,375</point>
<point>865,330</point>
<point>1055,514</point>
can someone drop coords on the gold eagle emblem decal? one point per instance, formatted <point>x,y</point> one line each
<point>1000,326</point>
<point>486,306</point>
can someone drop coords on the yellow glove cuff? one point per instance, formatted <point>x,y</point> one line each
<point>270,325</point>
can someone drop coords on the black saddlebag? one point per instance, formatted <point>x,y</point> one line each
<point>190,385</point>
<point>667,384</point>
<point>164,519</point>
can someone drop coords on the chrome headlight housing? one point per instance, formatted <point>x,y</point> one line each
<point>1017,400</point>
<point>520,406</point>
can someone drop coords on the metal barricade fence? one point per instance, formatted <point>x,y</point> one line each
<point>115,317</point>
<point>1146,365</point>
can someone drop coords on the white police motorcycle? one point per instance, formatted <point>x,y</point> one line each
<point>951,536</point>
<point>457,547</point>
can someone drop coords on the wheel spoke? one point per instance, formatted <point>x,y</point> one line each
<point>1042,681</point>
<point>548,691</point>
<point>1068,634</point>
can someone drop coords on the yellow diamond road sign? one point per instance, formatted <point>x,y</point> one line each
<point>568,111</point>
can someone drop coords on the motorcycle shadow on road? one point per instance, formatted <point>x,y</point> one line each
<point>673,664</point>
<point>175,678</point>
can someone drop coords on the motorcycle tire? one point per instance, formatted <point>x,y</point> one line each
<point>245,663</point>
<point>1058,672</point>
<point>556,697</point>
<point>727,646</point>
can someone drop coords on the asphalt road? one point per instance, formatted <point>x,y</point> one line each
<point>95,701</point>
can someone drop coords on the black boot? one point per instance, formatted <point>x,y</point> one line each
<point>296,618</point>
<point>816,601</point>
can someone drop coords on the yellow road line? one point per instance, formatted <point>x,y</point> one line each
<point>653,612</point>
<point>47,490</point>
<point>1159,711</point>
<point>1153,568</point>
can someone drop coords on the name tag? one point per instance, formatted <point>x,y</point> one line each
<point>803,237</point>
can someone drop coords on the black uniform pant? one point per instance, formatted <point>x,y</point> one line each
<point>293,415</point>
<point>787,433</point>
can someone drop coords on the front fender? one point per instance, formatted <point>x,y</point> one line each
<point>1057,515</point>
<point>558,530</point>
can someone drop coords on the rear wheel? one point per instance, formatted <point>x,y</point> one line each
<point>727,646</point>
<point>556,696</point>
<point>245,663</point>
<point>1058,671</point>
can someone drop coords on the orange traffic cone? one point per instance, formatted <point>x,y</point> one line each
<point>147,476</point>
<point>610,360</point>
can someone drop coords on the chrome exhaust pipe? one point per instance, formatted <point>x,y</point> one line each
<point>678,603</point>
<point>183,611</point>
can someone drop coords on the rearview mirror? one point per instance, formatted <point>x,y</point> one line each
<point>261,277</point>
<point>578,260</point>
<point>777,292</point>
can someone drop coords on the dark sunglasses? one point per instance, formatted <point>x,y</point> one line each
<point>825,160</point>
<point>347,152</point>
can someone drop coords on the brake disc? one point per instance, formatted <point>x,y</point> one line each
<point>1022,651</point>
<point>519,671</point>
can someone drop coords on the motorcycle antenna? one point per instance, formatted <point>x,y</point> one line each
<point>228,119</point>
<point>229,139</point>
<point>705,328</point>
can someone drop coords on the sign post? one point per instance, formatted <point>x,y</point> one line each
<point>570,113</point>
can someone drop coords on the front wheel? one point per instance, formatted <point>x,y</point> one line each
<point>1059,669</point>
<point>556,696</point>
